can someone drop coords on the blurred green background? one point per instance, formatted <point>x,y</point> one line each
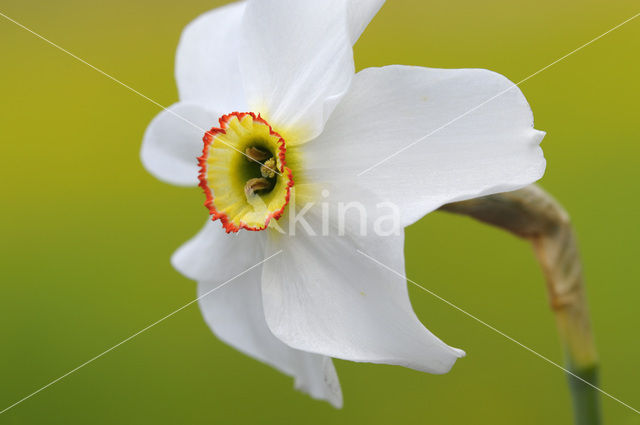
<point>87,233</point>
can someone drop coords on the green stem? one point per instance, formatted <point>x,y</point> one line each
<point>532,214</point>
<point>586,399</point>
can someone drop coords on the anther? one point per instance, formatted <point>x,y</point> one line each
<point>254,185</point>
<point>268,169</point>
<point>256,154</point>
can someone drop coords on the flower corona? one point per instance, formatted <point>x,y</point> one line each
<point>243,172</point>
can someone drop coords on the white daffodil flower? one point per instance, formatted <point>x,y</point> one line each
<point>293,122</point>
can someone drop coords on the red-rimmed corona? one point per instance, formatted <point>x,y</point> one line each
<point>243,172</point>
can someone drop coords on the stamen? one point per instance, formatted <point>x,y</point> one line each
<point>256,154</point>
<point>254,185</point>
<point>268,168</point>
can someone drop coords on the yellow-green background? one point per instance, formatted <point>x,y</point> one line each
<point>86,234</point>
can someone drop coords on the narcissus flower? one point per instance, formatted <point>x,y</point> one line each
<point>293,150</point>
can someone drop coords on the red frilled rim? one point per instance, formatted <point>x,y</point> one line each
<point>284,171</point>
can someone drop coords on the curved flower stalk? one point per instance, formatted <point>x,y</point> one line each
<point>277,128</point>
<point>532,214</point>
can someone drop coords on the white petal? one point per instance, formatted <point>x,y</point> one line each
<point>321,295</point>
<point>173,142</point>
<point>468,152</point>
<point>207,68</point>
<point>213,254</point>
<point>234,311</point>
<point>360,13</point>
<point>296,62</point>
